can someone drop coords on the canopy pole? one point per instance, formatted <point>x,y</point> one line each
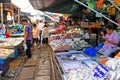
<point>1,7</point>
<point>18,15</point>
<point>114,5</point>
<point>97,12</point>
<point>51,17</point>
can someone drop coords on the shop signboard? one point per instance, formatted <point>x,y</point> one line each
<point>100,71</point>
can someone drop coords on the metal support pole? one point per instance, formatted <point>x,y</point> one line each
<point>19,16</point>
<point>97,12</point>
<point>1,7</point>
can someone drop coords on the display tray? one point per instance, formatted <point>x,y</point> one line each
<point>10,47</point>
<point>64,57</point>
<point>2,41</point>
<point>5,53</point>
<point>11,43</point>
<point>77,49</point>
<point>67,61</point>
<point>17,35</point>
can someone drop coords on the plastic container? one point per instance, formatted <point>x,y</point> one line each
<point>18,32</point>
<point>2,61</point>
<point>2,36</point>
<point>7,35</point>
<point>14,55</point>
<point>90,51</point>
<point>100,45</point>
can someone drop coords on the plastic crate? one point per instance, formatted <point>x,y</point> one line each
<point>14,55</point>
<point>2,61</point>
<point>4,70</point>
<point>4,66</point>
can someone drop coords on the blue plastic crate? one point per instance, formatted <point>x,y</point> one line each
<point>18,32</point>
<point>14,55</point>
<point>2,61</point>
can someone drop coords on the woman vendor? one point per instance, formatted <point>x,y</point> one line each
<point>112,39</point>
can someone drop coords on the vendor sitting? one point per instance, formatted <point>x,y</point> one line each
<point>112,39</point>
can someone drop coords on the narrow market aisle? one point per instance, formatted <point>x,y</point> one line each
<point>39,67</point>
<point>36,68</point>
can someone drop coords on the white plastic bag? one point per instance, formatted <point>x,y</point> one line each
<point>25,46</point>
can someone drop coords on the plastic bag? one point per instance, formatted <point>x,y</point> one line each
<point>25,46</point>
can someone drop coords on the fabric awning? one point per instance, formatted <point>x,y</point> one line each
<point>64,6</point>
<point>5,1</point>
<point>38,4</point>
<point>57,6</point>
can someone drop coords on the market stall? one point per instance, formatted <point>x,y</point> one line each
<point>77,59</point>
<point>4,59</point>
<point>78,65</point>
<point>9,48</point>
<point>68,47</point>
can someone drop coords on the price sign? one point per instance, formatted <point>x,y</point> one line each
<point>100,71</point>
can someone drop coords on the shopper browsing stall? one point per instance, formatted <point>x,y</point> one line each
<point>45,35</point>
<point>35,33</point>
<point>27,37</point>
<point>40,25</point>
<point>112,39</point>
